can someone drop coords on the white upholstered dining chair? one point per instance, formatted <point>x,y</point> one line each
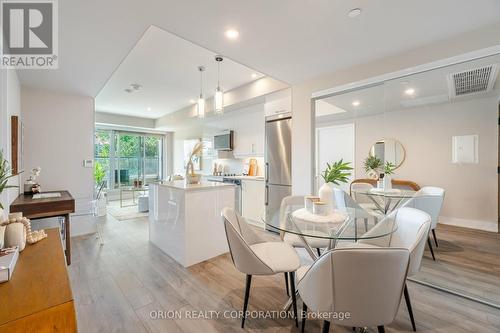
<point>253,256</point>
<point>367,283</point>
<point>430,200</point>
<point>411,233</point>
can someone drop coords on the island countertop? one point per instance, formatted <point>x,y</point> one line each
<point>182,185</point>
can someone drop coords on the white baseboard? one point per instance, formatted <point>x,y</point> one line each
<point>491,226</point>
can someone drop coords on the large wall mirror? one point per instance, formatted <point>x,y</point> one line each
<point>439,128</point>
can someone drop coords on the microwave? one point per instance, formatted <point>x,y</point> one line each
<point>224,141</point>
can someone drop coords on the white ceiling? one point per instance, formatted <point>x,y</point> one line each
<point>166,67</point>
<point>289,40</point>
<point>430,87</point>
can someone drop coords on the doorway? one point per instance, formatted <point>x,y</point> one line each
<point>332,144</point>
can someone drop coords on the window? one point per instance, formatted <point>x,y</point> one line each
<point>127,157</point>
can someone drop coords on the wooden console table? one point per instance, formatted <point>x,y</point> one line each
<point>49,207</point>
<point>38,297</point>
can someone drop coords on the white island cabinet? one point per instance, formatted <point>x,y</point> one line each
<point>185,220</point>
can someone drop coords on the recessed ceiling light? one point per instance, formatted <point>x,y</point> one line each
<point>410,91</point>
<point>354,12</point>
<point>232,34</point>
<point>254,75</point>
<point>149,109</point>
<point>355,103</point>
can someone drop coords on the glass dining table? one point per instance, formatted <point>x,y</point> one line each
<point>385,201</point>
<point>343,225</point>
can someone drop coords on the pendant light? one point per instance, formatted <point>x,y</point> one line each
<point>201,100</point>
<point>219,94</point>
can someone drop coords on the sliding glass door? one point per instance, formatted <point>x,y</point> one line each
<point>128,158</point>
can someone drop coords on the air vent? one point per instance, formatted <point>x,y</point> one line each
<point>473,81</point>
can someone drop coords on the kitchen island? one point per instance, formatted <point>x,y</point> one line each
<point>185,219</point>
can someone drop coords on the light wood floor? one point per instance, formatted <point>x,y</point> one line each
<point>467,261</point>
<point>116,287</point>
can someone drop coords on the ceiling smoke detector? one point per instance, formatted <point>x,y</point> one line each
<point>134,87</point>
<point>472,81</point>
<point>354,12</point>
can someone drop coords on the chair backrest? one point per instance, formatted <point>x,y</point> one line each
<point>344,200</point>
<point>239,238</point>
<point>361,198</point>
<point>429,199</point>
<point>412,230</point>
<point>396,183</point>
<point>288,204</point>
<point>365,282</point>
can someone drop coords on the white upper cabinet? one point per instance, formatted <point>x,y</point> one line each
<point>278,103</point>
<point>248,125</point>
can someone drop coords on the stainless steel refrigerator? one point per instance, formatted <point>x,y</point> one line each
<point>278,164</point>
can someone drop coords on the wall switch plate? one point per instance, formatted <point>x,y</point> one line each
<point>88,163</point>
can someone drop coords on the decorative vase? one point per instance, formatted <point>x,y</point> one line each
<point>2,235</point>
<point>326,194</point>
<point>387,183</point>
<point>15,235</point>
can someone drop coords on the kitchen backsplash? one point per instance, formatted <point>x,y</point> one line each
<point>233,165</point>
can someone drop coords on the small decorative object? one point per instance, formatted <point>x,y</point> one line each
<point>18,231</point>
<point>29,185</point>
<point>334,174</point>
<point>4,179</point>
<point>8,260</point>
<point>309,201</point>
<point>15,235</point>
<point>136,183</point>
<point>373,166</point>
<point>321,208</point>
<point>2,235</point>
<point>36,188</point>
<point>191,177</point>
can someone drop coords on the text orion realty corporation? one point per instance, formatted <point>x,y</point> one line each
<point>30,34</point>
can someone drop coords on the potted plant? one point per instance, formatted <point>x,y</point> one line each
<point>99,174</point>
<point>5,175</point>
<point>334,174</point>
<point>373,167</point>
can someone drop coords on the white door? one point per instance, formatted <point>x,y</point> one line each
<point>332,144</point>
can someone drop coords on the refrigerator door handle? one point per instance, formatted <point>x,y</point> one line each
<point>267,172</point>
<point>267,195</point>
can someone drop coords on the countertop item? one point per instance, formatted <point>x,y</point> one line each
<point>182,185</point>
<point>257,178</point>
<point>38,298</point>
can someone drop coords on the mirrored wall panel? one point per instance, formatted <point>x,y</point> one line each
<point>428,141</point>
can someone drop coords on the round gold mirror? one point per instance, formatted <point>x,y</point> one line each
<point>389,150</point>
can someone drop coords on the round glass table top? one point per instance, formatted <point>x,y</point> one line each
<point>345,224</point>
<point>390,193</point>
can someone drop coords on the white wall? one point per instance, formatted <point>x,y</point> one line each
<point>302,139</point>
<point>59,134</point>
<point>125,121</point>
<point>426,132</point>
<point>10,105</point>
